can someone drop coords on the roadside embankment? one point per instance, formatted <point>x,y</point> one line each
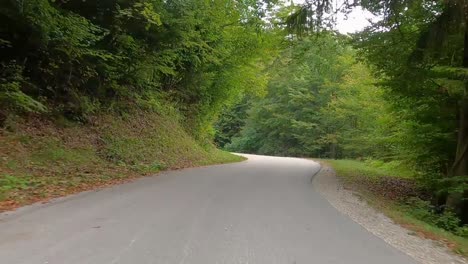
<point>42,158</point>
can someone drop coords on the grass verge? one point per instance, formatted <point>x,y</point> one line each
<point>385,187</point>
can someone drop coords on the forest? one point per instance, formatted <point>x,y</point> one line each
<point>252,76</point>
<point>394,92</point>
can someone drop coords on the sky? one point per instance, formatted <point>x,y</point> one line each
<point>353,22</point>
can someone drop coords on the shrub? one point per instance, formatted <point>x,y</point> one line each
<point>447,220</point>
<point>462,231</point>
<point>12,98</point>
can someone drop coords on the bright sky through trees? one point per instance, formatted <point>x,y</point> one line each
<point>355,21</point>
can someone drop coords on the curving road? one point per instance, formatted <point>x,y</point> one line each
<point>261,211</point>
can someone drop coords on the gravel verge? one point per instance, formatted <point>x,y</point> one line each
<point>422,250</point>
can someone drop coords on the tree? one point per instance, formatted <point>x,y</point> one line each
<point>288,120</point>
<point>76,58</point>
<point>419,49</point>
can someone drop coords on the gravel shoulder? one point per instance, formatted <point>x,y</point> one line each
<point>424,251</point>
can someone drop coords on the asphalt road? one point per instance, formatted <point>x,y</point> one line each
<point>261,211</point>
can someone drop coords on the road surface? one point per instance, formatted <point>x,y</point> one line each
<point>260,211</point>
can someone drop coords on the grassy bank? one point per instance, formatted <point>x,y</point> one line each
<point>392,189</point>
<point>45,158</point>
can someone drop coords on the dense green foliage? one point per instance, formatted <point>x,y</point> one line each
<point>76,58</point>
<point>95,92</point>
<point>399,94</point>
<point>420,52</point>
<point>321,102</point>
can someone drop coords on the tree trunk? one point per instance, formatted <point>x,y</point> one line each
<point>333,150</point>
<point>3,117</point>
<point>456,201</point>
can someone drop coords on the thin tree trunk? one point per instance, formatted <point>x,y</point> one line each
<point>456,201</point>
<point>333,151</point>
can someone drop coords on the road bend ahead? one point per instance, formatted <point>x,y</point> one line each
<point>261,211</point>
